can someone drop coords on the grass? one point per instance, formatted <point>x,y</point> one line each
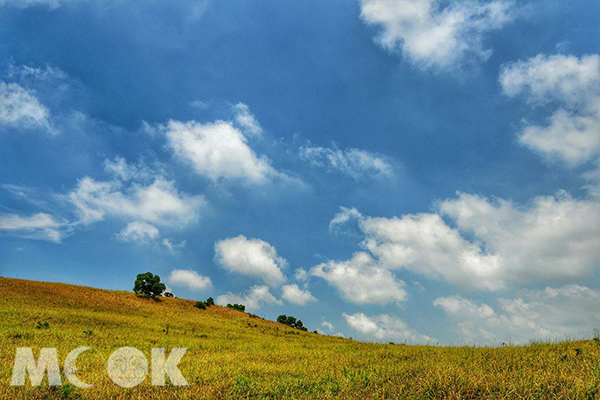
<point>232,355</point>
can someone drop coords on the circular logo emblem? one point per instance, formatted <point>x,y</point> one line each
<point>127,367</point>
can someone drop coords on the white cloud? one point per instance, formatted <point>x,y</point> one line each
<point>246,120</point>
<point>190,279</point>
<point>430,35</point>
<point>138,231</point>
<point>218,151</point>
<point>496,243</point>
<point>552,313</point>
<point>570,136</point>
<point>295,295</point>
<point>253,300</point>
<point>173,247</point>
<point>362,280</point>
<point>352,162</point>
<point>253,257</point>
<point>40,226</point>
<point>384,327</point>
<point>124,171</point>
<point>20,108</point>
<point>158,202</point>
<point>327,325</point>
<point>553,238</point>
<point>23,72</point>
<point>425,244</point>
<point>301,275</point>
<point>572,133</point>
<point>558,77</point>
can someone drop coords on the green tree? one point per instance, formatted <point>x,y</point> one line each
<point>239,307</point>
<point>291,322</point>
<point>210,302</point>
<point>148,285</point>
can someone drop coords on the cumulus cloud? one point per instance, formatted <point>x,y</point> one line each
<point>362,280</point>
<point>158,202</point>
<point>572,132</point>
<point>431,34</point>
<point>218,151</point>
<point>245,119</point>
<point>138,231</point>
<point>295,295</point>
<point>190,279</point>
<point>40,226</point>
<point>551,313</point>
<point>425,244</point>
<point>252,257</point>
<point>355,163</point>
<point>384,327</point>
<point>495,243</point>
<point>20,108</point>
<point>253,300</point>
<point>558,77</point>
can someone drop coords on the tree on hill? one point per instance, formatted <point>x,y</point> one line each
<point>239,307</point>
<point>148,285</point>
<point>292,322</point>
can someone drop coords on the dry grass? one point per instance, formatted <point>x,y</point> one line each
<point>231,355</point>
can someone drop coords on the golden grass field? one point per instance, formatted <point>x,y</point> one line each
<point>231,355</point>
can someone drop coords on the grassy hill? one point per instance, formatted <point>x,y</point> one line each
<point>232,355</point>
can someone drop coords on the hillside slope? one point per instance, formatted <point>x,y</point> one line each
<point>232,355</point>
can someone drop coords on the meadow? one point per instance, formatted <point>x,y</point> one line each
<point>233,355</point>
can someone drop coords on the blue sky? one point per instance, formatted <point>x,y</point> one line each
<point>405,170</point>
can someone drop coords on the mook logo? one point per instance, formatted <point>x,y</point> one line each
<point>126,367</point>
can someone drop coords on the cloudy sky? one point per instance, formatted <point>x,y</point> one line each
<point>413,171</point>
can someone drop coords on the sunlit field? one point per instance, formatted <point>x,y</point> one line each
<point>233,355</point>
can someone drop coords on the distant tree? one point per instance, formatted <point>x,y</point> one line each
<point>291,322</point>
<point>238,307</point>
<point>210,302</point>
<point>168,294</point>
<point>149,285</point>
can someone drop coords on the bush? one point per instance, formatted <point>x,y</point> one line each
<point>210,302</point>
<point>291,322</point>
<point>238,307</point>
<point>148,285</point>
<point>168,294</point>
<point>201,305</point>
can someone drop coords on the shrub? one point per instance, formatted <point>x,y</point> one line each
<point>210,302</point>
<point>238,307</point>
<point>201,305</point>
<point>168,294</point>
<point>148,285</point>
<point>291,322</point>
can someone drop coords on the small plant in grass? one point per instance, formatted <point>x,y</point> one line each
<point>42,325</point>
<point>168,294</point>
